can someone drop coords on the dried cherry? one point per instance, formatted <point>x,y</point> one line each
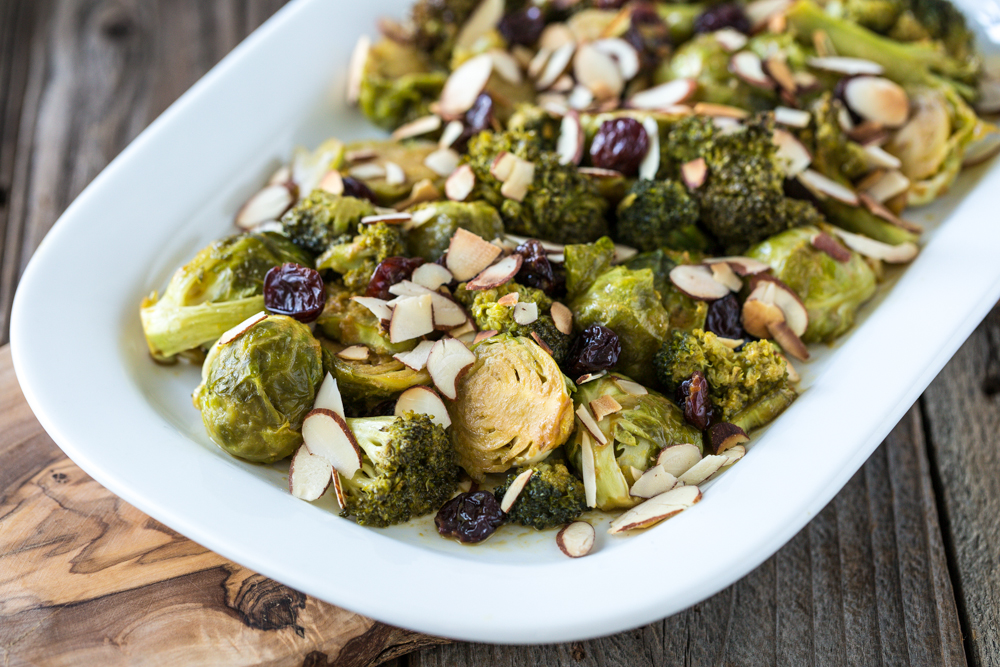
<point>294,290</point>
<point>478,118</point>
<point>390,271</point>
<point>357,189</point>
<point>717,17</point>
<point>724,318</point>
<point>470,517</point>
<point>620,144</point>
<point>597,348</point>
<point>524,26</point>
<point>536,269</point>
<point>692,395</point>
<point>648,34</point>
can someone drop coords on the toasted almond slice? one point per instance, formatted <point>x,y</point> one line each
<point>791,305</point>
<point>309,476</point>
<point>760,12</point>
<point>506,66</point>
<point>380,308</point>
<point>242,328</point>
<point>878,157</point>
<point>447,361</point>
<point>452,131</point>
<point>411,318</point>
<point>460,183</point>
<point>326,434</point>
<point>521,178</point>
<point>631,388</point>
<point>789,342</point>
<point>731,343</point>
<point>723,435</point>
<point>623,253</point>
<point>893,254</point>
<point>826,243</point>
<point>509,300</point>
<point>731,40</point>
<point>354,353</point>
<point>431,276</point>
<point>664,95</point>
<point>332,182</point>
<point>844,65</point>
<point>891,184</point>
<point>747,66</point>
<point>467,328</point>
<point>723,273</point>
<point>791,152</point>
<point>604,405</point>
<point>328,396</point>
<point>651,161</point>
<point>576,539</point>
<point>443,161</point>
<point>588,421</point>
<point>556,65</point>
<point>598,172</point>
<point>759,311</point>
<point>623,53</point>
<point>697,282</point>
<point>425,401</point>
<point>733,454</point>
<point>447,313</point>
<point>877,99</point>
<point>503,165</point>
<point>703,470</point>
<point>883,212</point>
<point>653,482</point>
<point>484,335</point>
<point>464,86</point>
<point>538,62</point>
<point>590,377</point>
<point>792,117</point>
<point>418,127</point>
<point>394,174</point>
<point>416,358</point>
<point>678,459</point>
<point>356,69</point>
<point>868,133</point>
<point>360,155</point>
<point>555,35</point>
<point>269,203</point>
<point>468,254</point>
<point>598,71</point>
<point>743,266</point>
<point>562,317</point>
<point>394,218</point>
<point>588,468</point>
<point>525,312</point>
<point>776,67</point>
<point>368,171</point>
<point>694,173</point>
<point>818,183</point>
<point>720,111</point>
<point>339,489</point>
<point>282,174</point>
<point>514,490</point>
<point>483,19</point>
<point>497,274</point>
<point>656,509</point>
<point>569,147</point>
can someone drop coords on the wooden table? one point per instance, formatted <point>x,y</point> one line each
<point>903,567</point>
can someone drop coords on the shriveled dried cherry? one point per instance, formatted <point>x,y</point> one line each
<point>620,144</point>
<point>717,17</point>
<point>478,118</point>
<point>597,348</point>
<point>390,271</point>
<point>294,290</point>
<point>692,395</point>
<point>536,269</point>
<point>357,189</point>
<point>724,318</point>
<point>470,517</point>
<point>524,26</point>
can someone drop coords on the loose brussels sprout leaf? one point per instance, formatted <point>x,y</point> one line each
<point>256,390</point>
<point>409,156</point>
<point>832,291</point>
<point>636,434</point>
<point>222,286</point>
<point>364,384</point>
<point>322,219</point>
<point>513,407</point>
<point>626,302</point>
<point>431,238</point>
<point>585,261</point>
<point>349,323</point>
<point>398,84</point>
<point>685,313</point>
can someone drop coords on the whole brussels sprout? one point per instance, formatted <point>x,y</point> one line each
<point>438,221</point>
<point>705,60</point>
<point>513,407</point>
<point>256,389</point>
<point>366,383</point>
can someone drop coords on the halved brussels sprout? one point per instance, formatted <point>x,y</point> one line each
<point>349,323</point>
<point>366,383</point>
<point>398,84</point>
<point>408,156</point>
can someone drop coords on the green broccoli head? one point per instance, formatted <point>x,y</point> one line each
<point>408,470</point>
<point>552,497</point>
<point>835,154</point>
<point>533,118</point>
<point>748,388</point>
<point>322,219</point>
<point>356,260</point>
<point>437,25</point>
<point>660,214</point>
<point>492,316</point>
<point>561,204</point>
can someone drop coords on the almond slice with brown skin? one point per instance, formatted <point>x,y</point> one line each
<point>569,146</point>
<point>651,161</point>
<point>605,405</point>
<point>424,401</point>
<point>776,67</point>
<point>431,276</point>
<point>514,490</point>
<point>653,482</point>
<point>460,183</point>
<point>421,126</point>
<point>678,459</point>
<point>241,328</point>
<point>339,490</point>
<point>598,71</point>
<point>525,313</point>
<point>656,509</point>
<point>447,314</point>
<point>412,317</point>
<point>309,475</point>
<point>703,470</point>
<point>484,335</point>
<point>588,421</point>
<point>693,173</point>
<point>269,203</point>
<point>789,302</point>
<point>483,19</point>
<point>629,387</point>
<point>844,65</point>
<point>467,328</point>
<point>356,68</point>
<point>588,471</point>
<point>733,454</point>
<point>742,266</point>
<point>416,358</point>
<point>877,99</point>
<point>498,274</point>
<point>664,95</point>
<point>468,254</point>
<point>623,53</point>
<point>891,184</point>
<point>326,434</point>
<point>719,111</point>
<point>380,308</point>
<point>789,117</point>
<point>826,243</point>
<point>759,312</point>
<point>590,377</point>
<point>794,156</point>
<point>576,539</point>
<point>562,317</point>
<point>819,184</point>
<point>556,65</point>
<point>447,361</point>
<point>328,396</point>
<point>464,86</point>
<point>893,254</point>
<point>788,341</point>
<point>723,273</point>
<point>747,66</point>
<point>723,435</point>
<point>697,282</point>
<point>354,353</point>
<point>881,211</point>
<point>509,300</point>
<point>395,218</point>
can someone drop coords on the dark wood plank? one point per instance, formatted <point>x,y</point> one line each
<point>963,414</point>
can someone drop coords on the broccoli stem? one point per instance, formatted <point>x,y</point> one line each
<point>860,220</point>
<point>171,329</point>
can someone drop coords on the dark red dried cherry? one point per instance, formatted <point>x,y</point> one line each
<point>390,271</point>
<point>294,290</point>
<point>597,348</point>
<point>524,26</point>
<point>357,189</point>
<point>470,517</point>
<point>536,269</point>
<point>692,395</point>
<point>724,318</point>
<point>717,17</point>
<point>620,144</point>
<point>477,119</point>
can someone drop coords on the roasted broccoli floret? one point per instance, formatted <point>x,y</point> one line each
<point>533,118</point>
<point>660,214</point>
<point>356,260</point>
<point>437,25</point>
<point>407,470</point>
<point>492,316</point>
<point>397,85</point>
<point>552,497</point>
<point>748,388</point>
<point>561,204</point>
<point>321,219</point>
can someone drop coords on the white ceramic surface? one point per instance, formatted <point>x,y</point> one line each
<point>130,424</point>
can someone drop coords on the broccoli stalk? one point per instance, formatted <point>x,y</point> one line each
<point>408,470</point>
<point>356,260</point>
<point>552,497</point>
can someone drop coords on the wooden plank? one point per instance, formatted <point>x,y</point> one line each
<point>864,583</point>
<point>961,407</point>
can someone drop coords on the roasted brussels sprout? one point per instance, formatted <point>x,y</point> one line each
<point>356,260</point>
<point>222,286</point>
<point>705,60</point>
<point>409,156</point>
<point>584,262</point>
<point>685,313</point>
<point>832,291</point>
<point>256,389</point>
<point>322,219</point>
<point>436,222</point>
<point>552,497</point>
<point>660,214</point>
<point>349,323</point>
<point>407,470</point>
<point>397,84</point>
<point>513,407</point>
<point>364,384</point>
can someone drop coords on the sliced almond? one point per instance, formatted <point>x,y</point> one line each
<point>328,396</point>
<point>623,253</point>
<point>791,305</point>
<point>576,539</point>
<point>484,335</point>
<point>678,459</point>
<point>269,203</point>
<point>656,509</point>
<point>795,157</point>
<point>509,300</point>
<point>368,171</point>
<point>694,173</point>
<point>703,470</point>
<point>879,210</point>
<point>448,359</point>
<point>878,157</point>
<point>588,421</point>
<point>416,359</point>
<point>380,308</point>
<point>826,243</point>
<point>788,340</point>
<point>467,328</point>
<point>326,434</point>
<point>241,328</point>
<point>844,65</point>
<point>468,254</point>
<point>537,64</point>
<point>891,184</point>
<point>731,40</point>
<point>360,155</point>
<point>395,218</point>
<point>743,266</point>
<point>653,482</point>
<point>893,254</point>
<point>506,66</point>
<point>651,161</point>
<point>411,318</point>
<point>760,12</point>
<point>425,401</point>
<point>556,65</point>
<point>588,469</point>
<point>598,71</point>
<point>697,282</point>
<point>556,35</point>
<point>664,95</point>
<point>309,476</point>
<point>590,377</point>
<point>447,313</point>
<point>818,183</point>
<point>569,147</point>
<point>480,23</point>
<point>623,53</point>
<point>338,487</point>
<point>868,133</point>
<point>747,66</point>
<point>720,111</point>
<point>460,183</point>
<point>332,182</point>
<point>759,311</point>
<point>723,435</point>
<point>514,490</point>
<point>503,165</point>
<point>562,317</point>
<point>431,275</point>
<point>731,343</point>
<point>394,174</point>
<point>723,273</point>
<point>497,274</point>
<point>598,172</point>
<point>354,353</point>
<point>419,127</point>
<point>631,388</point>
<point>356,68</point>
<point>464,86</point>
<point>443,161</point>
<point>877,99</point>
<point>792,117</point>
<point>776,67</point>
<point>521,177</point>
<point>452,131</point>
<point>282,174</point>
<point>580,98</point>
<point>525,312</point>
<point>733,454</point>
<point>604,405</point>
